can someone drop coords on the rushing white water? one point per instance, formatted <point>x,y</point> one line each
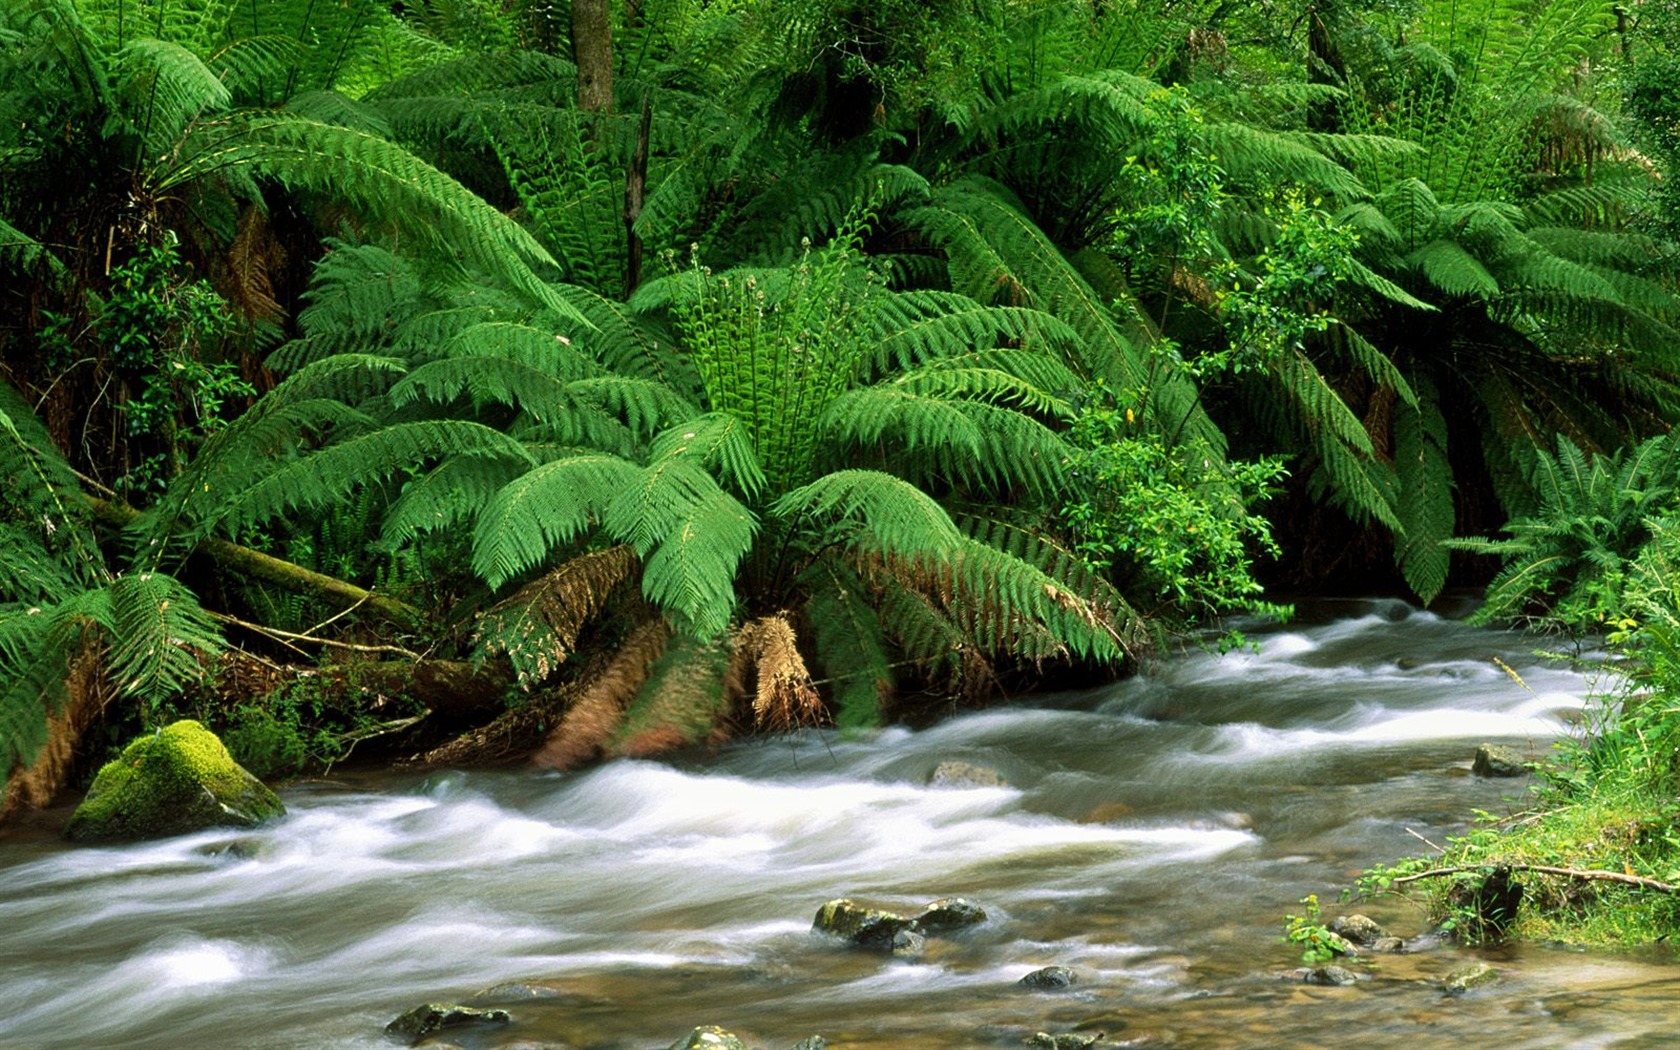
<point>1153,833</point>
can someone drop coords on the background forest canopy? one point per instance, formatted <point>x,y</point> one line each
<point>633,373</point>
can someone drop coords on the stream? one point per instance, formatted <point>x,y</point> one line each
<point>1151,837</point>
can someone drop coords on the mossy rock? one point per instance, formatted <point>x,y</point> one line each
<point>177,780</point>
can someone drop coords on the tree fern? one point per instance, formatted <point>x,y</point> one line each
<point>1425,504</point>
<point>849,646</point>
<point>388,182</point>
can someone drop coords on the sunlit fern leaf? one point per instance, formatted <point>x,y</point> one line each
<point>456,490</point>
<point>370,173</point>
<point>897,515</point>
<point>629,344</point>
<point>161,637</point>
<point>914,327</point>
<point>1425,506</point>
<point>720,443</point>
<point>647,406</point>
<point>850,650</point>
<point>537,626</point>
<point>332,473</point>
<point>691,535</point>
<point>545,507</point>
<point>984,447</point>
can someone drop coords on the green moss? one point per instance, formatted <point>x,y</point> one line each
<point>170,782</point>
<point>1631,833</point>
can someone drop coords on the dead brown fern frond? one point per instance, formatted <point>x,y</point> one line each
<point>784,696</point>
<point>252,257</point>
<point>684,702</point>
<point>538,625</point>
<point>592,720</point>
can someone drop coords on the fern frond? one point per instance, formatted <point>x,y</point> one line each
<point>896,515</point>
<point>456,490</point>
<point>390,184</point>
<point>599,708</point>
<point>849,646</point>
<point>161,636</point>
<point>544,508</point>
<point>784,697</point>
<point>538,625</point>
<point>719,442</point>
<point>1425,506</point>
<point>163,87</point>
<point>691,536</point>
<point>681,703</point>
<point>331,474</point>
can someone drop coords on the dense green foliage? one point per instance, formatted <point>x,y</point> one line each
<point>853,350</point>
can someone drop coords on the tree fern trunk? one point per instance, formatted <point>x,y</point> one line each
<point>592,51</point>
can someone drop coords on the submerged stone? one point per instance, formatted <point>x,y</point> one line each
<point>709,1037</point>
<point>1473,975</point>
<point>964,774</point>
<point>1064,1040</point>
<point>950,913</point>
<point>427,1018</point>
<point>811,1042</point>
<point>1497,760</point>
<point>1048,979</point>
<point>177,780</point>
<point>1331,975</point>
<point>865,927</point>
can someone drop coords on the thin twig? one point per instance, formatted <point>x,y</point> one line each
<point>1586,875</point>
<point>292,636</point>
<point>1425,841</point>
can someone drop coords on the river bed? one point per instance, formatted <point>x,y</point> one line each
<point>1151,836</point>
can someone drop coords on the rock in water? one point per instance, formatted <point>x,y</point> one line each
<point>1495,760</point>
<point>1358,929</point>
<point>1049,979</point>
<point>964,774</point>
<point>1331,975</point>
<point>811,1042</point>
<point>1467,977</point>
<point>177,780</point>
<point>1063,1041</point>
<point>866,927</point>
<point>709,1037</point>
<point>950,913</point>
<point>423,1020</point>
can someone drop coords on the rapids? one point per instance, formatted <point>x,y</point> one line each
<point>1153,835</point>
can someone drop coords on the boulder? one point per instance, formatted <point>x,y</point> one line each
<point>1049,979</point>
<point>427,1018</point>
<point>1388,945</point>
<point>1496,760</point>
<point>174,781</point>
<point>1358,929</point>
<point>811,1042</point>
<point>1473,975</point>
<point>709,1037</point>
<point>867,927</point>
<point>963,774</point>
<point>949,913</point>
<point>1331,975</point>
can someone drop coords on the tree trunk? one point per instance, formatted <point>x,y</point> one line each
<point>592,51</point>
